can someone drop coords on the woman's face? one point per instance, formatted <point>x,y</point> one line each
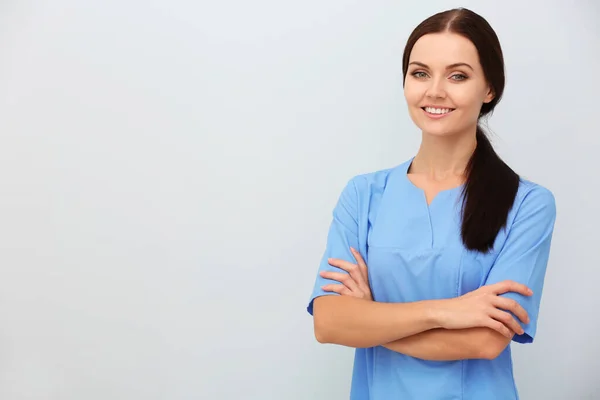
<point>445,86</point>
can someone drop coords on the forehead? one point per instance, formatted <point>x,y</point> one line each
<point>441,49</point>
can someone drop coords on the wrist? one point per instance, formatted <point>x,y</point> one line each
<point>434,313</point>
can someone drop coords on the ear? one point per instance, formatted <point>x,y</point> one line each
<point>489,96</point>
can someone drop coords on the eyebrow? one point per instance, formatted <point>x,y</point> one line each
<point>451,66</point>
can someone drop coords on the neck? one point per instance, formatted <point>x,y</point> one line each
<point>440,158</point>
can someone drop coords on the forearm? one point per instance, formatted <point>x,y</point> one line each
<point>355,322</point>
<point>447,345</point>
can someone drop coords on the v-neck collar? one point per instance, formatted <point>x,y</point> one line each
<point>411,184</point>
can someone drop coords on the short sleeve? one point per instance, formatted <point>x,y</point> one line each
<point>342,234</point>
<point>524,255</point>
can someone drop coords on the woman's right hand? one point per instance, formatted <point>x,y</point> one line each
<point>484,308</point>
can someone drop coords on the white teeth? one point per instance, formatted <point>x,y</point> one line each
<point>437,110</point>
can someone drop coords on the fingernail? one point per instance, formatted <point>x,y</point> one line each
<point>352,249</point>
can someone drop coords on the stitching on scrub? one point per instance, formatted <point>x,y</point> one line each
<point>381,197</point>
<point>351,213</point>
<point>375,362</point>
<point>512,375</point>
<point>355,201</point>
<point>340,223</point>
<point>462,378</point>
<point>458,274</point>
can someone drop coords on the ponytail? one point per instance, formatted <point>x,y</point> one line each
<point>488,196</point>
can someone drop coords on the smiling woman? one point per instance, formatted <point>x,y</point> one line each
<point>434,266</point>
<point>436,86</point>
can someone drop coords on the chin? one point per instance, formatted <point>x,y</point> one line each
<point>440,135</point>
<point>437,130</point>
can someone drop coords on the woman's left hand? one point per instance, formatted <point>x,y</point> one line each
<point>355,283</point>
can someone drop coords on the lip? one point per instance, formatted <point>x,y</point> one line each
<point>437,116</point>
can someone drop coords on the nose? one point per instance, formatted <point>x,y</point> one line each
<point>436,89</point>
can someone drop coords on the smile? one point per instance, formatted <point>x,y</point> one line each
<point>437,113</point>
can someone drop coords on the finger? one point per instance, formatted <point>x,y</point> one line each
<point>510,286</point>
<point>349,267</point>
<point>342,264</point>
<point>362,268</point>
<point>361,262</point>
<point>341,277</point>
<point>362,265</point>
<point>512,306</point>
<point>340,289</point>
<point>508,320</point>
<point>498,327</point>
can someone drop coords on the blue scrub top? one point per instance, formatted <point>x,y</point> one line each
<point>414,252</point>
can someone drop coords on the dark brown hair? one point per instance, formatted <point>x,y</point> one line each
<point>491,185</point>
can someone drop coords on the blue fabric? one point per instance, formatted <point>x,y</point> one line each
<point>414,253</point>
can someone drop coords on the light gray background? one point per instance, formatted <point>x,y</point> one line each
<point>169,170</point>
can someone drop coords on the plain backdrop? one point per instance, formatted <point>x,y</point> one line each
<point>169,168</point>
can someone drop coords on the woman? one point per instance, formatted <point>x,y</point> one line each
<point>456,242</point>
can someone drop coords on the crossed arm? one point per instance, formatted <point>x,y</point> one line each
<point>418,329</point>
<point>476,325</point>
<point>447,345</point>
<point>411,328</point>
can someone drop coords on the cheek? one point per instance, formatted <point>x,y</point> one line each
<point>413,100</point>
<point>467,98</point>
<point>413,94</point>
<point>468,103</point>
